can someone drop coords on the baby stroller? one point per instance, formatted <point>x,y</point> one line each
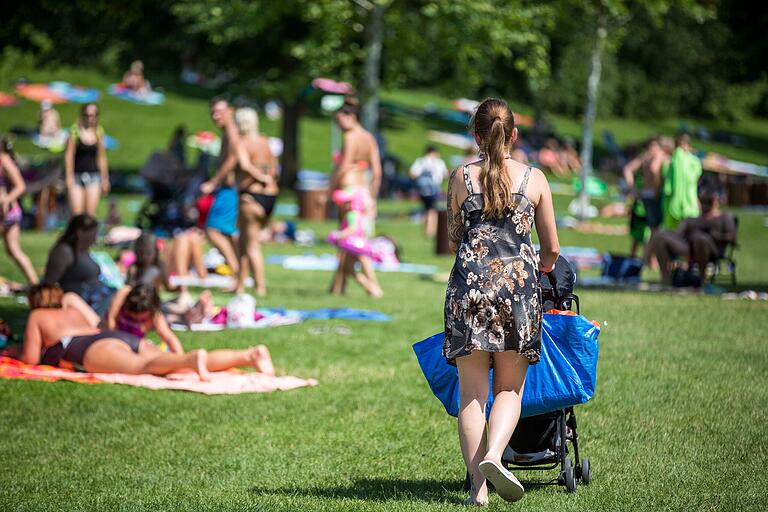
<point>541,442</point>
<point>168,208</point>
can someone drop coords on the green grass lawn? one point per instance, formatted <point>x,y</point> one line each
<point>677,421</point>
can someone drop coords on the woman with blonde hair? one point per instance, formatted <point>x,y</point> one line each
<point>493,311</point>
<point>258,189</point>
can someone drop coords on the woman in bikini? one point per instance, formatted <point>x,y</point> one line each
<point>11,188</point>
<point>62,336</point>
<point>85,163</point>
<point>257,185</point>
<point>359,155</point>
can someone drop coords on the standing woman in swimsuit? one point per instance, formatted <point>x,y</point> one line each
<point>257,184</point>
<point>359,166</point>
<point>493,311</point>
<point>11,188</point>
<point>85,163</point>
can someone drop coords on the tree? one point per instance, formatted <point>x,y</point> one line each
<point>278,48</point>
<point>608,20</point>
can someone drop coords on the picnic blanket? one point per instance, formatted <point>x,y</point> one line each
<point>329,313</point>
<point>275,317</point>
<point>6,100</point>
<point>230,382</point>
<point>212,281</point>
<point>139,98</point>
<point>74,93</point>
<point>39,93</point>
<point>329,262</point>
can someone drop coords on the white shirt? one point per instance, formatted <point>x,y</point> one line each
<point>431,164</point>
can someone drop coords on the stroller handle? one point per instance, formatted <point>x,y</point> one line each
<point>553,283</point>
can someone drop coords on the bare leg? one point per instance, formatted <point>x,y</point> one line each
<point>509,370</point>
<point>257,356</point>
<point>92,197</point>
<point>430,224</point>
<point>374,290</point>
<point>111,355</point>
<point>253,218</point>
<point>196,241</point>
<point>12,235</point>
<point>226,247</point>
<point>340,276</point>
<point>473,385</point>
<point>666,245</point>
<point>76,199</point>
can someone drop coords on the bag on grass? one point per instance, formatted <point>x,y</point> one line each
<point>563,377</point>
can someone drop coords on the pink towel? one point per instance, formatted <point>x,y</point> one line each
<point>222,383</point>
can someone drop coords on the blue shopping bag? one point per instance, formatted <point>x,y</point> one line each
<point>564,376</point>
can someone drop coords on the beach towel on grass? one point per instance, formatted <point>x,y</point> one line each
<point>275,317</point>
<point>231,382</point>
<point>329,262</point>
<point>137,97</point>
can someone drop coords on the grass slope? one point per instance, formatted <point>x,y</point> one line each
<point>142,129</point>
<point>676,424</point>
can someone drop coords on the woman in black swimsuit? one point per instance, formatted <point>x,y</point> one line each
<point>71,266</point>
<point>63,337</point>
<point>85,163</point>
<point>257,184</point>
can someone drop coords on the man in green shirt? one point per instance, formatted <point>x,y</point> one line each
<point>681,179</point>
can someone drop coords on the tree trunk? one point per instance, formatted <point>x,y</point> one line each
<point>587,135</point>
<point>290,157</point>
<point>372,70</point>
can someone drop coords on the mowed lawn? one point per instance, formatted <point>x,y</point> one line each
<point>677,423</point>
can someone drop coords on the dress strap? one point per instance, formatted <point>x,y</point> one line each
<point>524,184</point>
<point>467,180</point>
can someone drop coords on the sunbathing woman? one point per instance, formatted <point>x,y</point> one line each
<point>137,311</point>
<point>70,264</point>
<point>61,336</point>
<point>11,188</point>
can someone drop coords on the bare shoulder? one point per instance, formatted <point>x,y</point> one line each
<point>537,185</point>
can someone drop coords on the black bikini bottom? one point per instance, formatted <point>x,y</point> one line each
<point>72,349</point>
<point>266,201</point>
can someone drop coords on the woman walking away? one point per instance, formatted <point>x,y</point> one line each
<point>257,184</point>
<point>493,309</point>
<point>85,163</point>
<point>11,188</point>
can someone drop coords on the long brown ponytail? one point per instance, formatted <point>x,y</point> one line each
<point>493,124</point>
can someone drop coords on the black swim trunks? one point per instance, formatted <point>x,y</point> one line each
<point>71,349</point>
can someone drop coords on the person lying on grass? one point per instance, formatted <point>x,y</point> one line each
<point>148,268</point>
<point>62,336</point>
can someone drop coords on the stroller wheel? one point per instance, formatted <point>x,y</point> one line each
<point>586,471</point>
<point>570,476</point>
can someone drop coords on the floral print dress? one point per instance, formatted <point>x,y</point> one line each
<point>493,300</point>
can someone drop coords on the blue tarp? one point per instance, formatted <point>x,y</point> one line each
<point>563,377</point>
